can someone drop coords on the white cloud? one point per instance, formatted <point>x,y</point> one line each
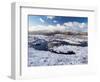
<point>55,21</point>
<point>83,25</point>
<point>58,25</point>
<point>50,28</point>
<point>37,28</point>
<point>50,17</point>
<point>75,25</point>
<point>42,20</point>
<point>68,24</point>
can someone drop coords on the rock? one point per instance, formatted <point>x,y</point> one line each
<point>84,44</point>
<point>70,52</point>
<point>66,53</point>
<point>40,44</point>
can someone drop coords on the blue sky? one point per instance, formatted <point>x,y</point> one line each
<point>74,23</point>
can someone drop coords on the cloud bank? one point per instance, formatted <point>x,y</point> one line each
<point>68,26</point>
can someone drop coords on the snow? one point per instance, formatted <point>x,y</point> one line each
<point>47,58</point>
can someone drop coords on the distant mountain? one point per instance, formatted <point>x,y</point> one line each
<point>67,32</point>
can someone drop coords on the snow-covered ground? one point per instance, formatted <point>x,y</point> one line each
<point>47,58</point>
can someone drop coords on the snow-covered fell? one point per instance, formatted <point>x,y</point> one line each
<point>47,58</point>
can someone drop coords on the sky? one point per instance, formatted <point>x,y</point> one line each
<point>40,22</point>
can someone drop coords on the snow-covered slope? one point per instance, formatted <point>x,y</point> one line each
<point>47,58</point>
